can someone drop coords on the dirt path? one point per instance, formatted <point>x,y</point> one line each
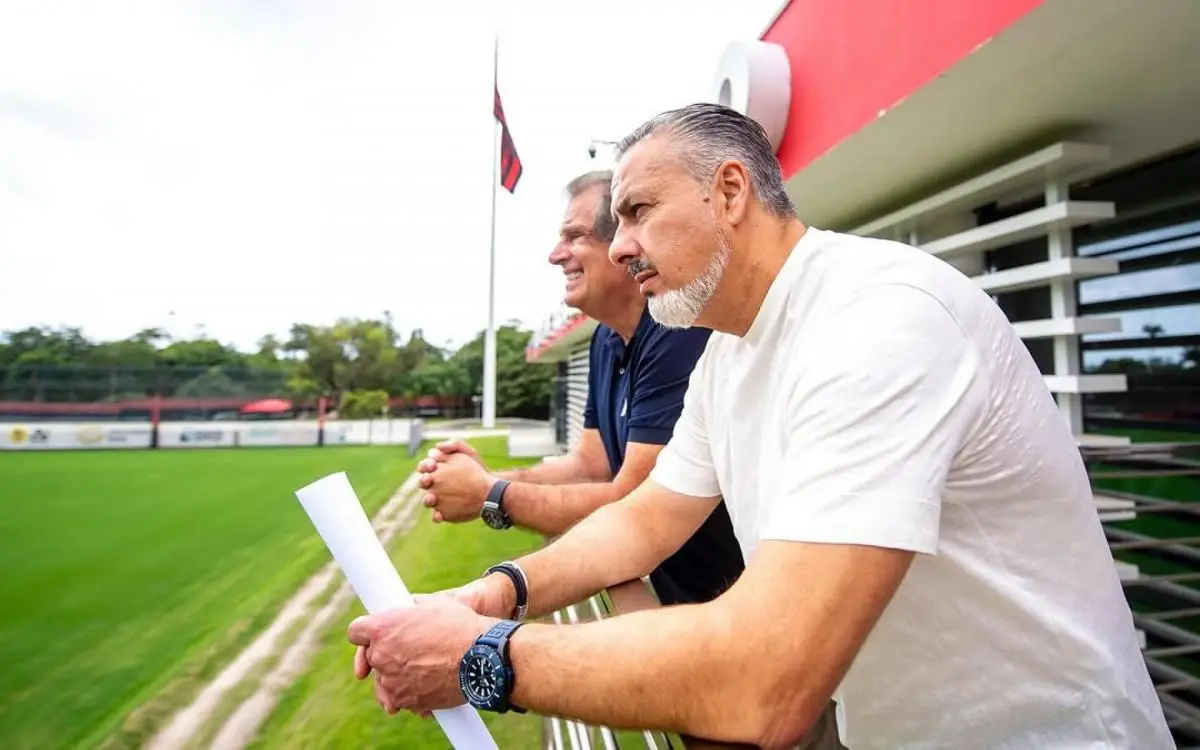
<point>243,723</point>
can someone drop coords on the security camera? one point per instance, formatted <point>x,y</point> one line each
<point>592,151</point>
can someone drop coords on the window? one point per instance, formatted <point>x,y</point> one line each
<point>1156,296</point>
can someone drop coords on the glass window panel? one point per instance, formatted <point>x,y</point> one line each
<point>1179,320</point>
<point>1140,284</point>
<point>1140,238</point>
<point>1161,248</point>
<point>1126,360</point>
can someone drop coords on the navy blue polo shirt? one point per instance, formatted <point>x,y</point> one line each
<point>635,394</point>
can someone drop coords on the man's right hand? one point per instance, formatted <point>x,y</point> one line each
<point>490,596</point>
<point>438,454</point>
<point>444,450</point>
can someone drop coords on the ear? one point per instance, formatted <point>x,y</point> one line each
<point>731,188</point>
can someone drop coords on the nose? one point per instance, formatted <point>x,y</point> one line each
<point>623,248</point>
<point>559,255</point>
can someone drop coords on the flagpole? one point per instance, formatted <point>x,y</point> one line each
<point>489,336</point>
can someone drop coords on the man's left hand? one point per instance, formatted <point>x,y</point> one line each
<point>457,488</point>
<point>415,652</point>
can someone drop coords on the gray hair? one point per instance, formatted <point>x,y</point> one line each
<point>604,226</point>
<point>710,134</point>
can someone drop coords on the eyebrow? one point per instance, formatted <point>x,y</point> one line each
<point>624,203</point>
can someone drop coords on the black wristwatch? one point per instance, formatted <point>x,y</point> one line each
<point>492,512</point>
<point>520,583</point>
<point>485,674</point>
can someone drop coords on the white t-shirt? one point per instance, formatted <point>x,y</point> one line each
<point>881,398</point>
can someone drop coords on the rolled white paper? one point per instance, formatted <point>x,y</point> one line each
<point>335,511</point>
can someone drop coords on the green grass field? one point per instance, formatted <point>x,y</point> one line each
<point>128,579</point>
<point>328,708</point>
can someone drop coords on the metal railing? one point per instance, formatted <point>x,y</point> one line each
<point>567,734</point>
<point>1157,548</point>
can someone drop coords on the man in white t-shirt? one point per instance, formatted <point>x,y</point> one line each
<point>921,540</point>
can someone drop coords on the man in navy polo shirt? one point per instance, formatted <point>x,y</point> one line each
<point>638,374</point>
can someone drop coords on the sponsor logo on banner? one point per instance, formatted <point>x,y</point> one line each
<point>201,436</point>
<point>26,436</point>
<point>261,432</point>
<point>123,437</point>
<point>90,435</point>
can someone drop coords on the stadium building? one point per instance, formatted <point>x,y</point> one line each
<point>1049,150</point>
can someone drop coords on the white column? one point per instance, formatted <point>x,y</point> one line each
<point>1063,304</point>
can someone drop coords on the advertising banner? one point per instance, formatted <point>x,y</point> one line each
<point>214,434</point>
<point>278,433</point>
<point>368,432</point>
<point>73,435</point>
<point>196,435</point>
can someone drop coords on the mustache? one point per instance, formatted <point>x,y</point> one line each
<point>638,265</point>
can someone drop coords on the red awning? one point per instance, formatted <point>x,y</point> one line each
<point>268,406</point>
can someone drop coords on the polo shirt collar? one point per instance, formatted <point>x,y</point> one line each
<point>613,341</point>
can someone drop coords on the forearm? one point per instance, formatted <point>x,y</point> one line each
<point>565,469</point>
<point>675,669</point>
<point>611,546</point>
<point>551,510</point>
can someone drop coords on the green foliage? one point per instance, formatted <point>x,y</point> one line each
<point>363,404</point>
<point>519,386</point>
<point>342,361</point>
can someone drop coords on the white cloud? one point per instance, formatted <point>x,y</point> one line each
<point>248,165</point>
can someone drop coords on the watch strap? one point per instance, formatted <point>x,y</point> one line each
<point>497,637</point>
<point>498,634</point>
<point>520,583</point>
<point>495,497</point>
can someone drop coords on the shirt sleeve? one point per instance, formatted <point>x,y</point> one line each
<point>885,397</point>
<point>685,465</point>
<point>589,407</point>
<point>656,396</point>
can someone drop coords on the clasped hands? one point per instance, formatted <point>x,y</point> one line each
<point>455,481</point>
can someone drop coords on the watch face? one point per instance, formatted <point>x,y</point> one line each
<point>493,517</point>
<point>482,677</point>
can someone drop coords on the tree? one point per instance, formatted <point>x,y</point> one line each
<point>43,346</point>
<point>522,389</point>
<point>201,352</point>
<point>371,355</point>
<point>352,361</point>
<point>364,404</point>
<point>320,352</point>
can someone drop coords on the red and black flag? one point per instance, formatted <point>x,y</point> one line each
<point>510,163</point>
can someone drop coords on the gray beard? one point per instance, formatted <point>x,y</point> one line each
<point>679,308</point>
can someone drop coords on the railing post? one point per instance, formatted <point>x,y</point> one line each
<point>629,597</point>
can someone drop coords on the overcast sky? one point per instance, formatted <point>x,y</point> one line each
<point>244,164</point>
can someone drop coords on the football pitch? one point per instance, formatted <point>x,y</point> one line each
<point>128,580</point>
